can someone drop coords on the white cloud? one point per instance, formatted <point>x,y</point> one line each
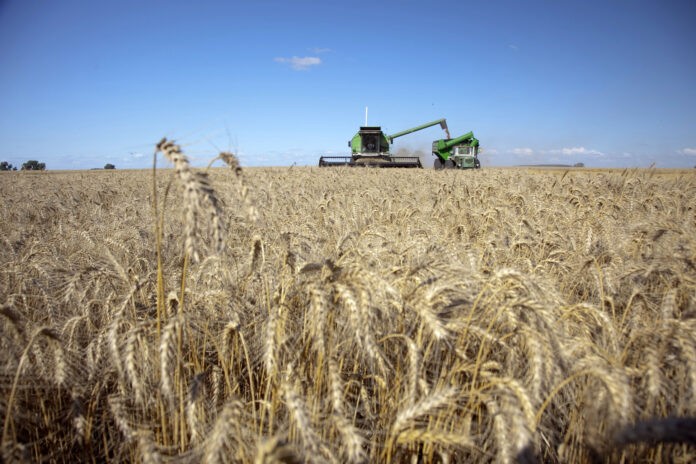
<point>522,151</point>
<point>300,63</point>
<point>688,151</point>
<point>320,50</point>
<point>513,47</point>
<point>573,151</point>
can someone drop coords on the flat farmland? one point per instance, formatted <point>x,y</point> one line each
<point>348,315</point>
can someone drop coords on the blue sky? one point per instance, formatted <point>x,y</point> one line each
<point>608,83</point>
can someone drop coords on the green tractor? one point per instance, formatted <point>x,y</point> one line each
<point>370,147</point>
<point>458,153</point>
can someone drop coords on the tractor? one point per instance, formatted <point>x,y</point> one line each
<point>457,153</point>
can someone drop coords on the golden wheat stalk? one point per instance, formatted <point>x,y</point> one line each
<point>200,200</point>
<point>225,432</point>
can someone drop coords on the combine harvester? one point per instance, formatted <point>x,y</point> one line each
<point>457,153</point>
<point>370,147</point>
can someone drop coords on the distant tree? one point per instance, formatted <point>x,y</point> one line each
<point>109,166</point>
<point>33,165</point>
<point>579,165</point>
<point>5,166</point>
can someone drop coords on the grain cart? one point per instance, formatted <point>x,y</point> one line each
<point>370,147</point>
<point>460,153</point>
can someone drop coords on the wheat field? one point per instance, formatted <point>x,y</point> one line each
<point>347,315</point>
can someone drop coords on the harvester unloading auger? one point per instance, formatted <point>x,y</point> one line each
<point>370,147</point>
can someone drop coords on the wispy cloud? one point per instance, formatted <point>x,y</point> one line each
<point>574,151</point>
<point>320,50</point>
<point>300,63</point>
<point>522,151</point>
<point>688,151</point>
<point>513,47</point>
<point>130,160</point>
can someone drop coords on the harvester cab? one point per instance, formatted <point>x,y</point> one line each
<point>371,147</point>
<point>457,153</point>
<point>369,141</point>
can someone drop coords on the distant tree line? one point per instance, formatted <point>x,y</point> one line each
<point>31,165</point>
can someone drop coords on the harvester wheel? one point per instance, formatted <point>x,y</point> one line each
<point>438,164</point>
<point>449,164</point>
<point>477,164</point>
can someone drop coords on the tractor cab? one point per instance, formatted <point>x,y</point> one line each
<point>463,150</point>
<point>466,157</point>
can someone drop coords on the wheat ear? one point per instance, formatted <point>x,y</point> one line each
<point>199,200</point>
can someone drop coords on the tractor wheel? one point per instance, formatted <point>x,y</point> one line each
<point>477,164</point>
<point>449,164</point>
<point>438,164</point>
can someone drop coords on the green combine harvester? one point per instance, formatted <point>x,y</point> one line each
<point>458,153</point>
<point>370,147</point>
